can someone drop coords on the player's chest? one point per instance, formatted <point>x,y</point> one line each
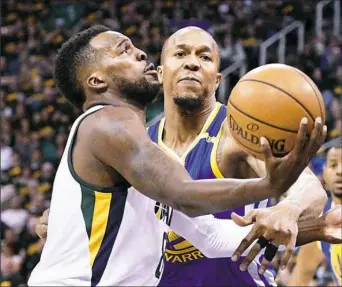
<point>197,157</point>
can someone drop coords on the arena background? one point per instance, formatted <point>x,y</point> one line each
<point>35,119</point>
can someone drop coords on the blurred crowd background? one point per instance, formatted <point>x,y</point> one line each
<point>35,119</point>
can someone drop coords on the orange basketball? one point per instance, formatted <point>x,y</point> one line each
<point>270,101</point>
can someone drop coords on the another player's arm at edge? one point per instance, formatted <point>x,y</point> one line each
<point>213,237</point>
<point>307,183</point>
<point>119,140</point>
<point>305,269</point>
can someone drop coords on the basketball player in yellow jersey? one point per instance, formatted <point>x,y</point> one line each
<point>311,255</point>
<point>195,133</point>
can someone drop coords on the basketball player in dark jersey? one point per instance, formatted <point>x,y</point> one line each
<point>195,133</point>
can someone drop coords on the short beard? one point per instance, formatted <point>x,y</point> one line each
<point>140,92</point>
<point>188,103</point>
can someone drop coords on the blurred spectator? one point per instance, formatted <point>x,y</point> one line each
<point>231,49</point>
<point>6,156</point>
<point>15,217</point>
<point>10,267</point>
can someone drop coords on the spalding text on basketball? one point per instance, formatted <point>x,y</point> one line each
<point>276,145</point>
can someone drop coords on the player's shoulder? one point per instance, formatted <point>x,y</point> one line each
<point>117,114</point>
<point>110,118</point>
<point>112,126</point>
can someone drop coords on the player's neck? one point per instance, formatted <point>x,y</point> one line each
<point>117,102</point>
<point>183,126</point>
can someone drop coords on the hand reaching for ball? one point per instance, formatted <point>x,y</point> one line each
<point>283,172</point>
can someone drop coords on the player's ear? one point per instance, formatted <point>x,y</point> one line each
<point>217,80</point>
<point>97,83</point>
<point>160,74</point>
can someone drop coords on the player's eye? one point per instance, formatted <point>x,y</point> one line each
<point>179,54</point>
<point>206,58</point>
<point>125,50</point>
<point>333,165</point>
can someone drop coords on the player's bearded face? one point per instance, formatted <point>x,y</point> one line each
<point>333,172</point>
<point>140,91</point>
<point>126,69</point>
<point>190,69</point>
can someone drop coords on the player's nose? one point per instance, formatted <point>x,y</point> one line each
<point>192,63</point>
<point>141,55</point>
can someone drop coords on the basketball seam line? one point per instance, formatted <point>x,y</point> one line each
<point>260,121</point>
<point>280,89</point>
<point>319,104</point>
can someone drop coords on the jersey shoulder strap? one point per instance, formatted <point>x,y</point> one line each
<point>153,131</point>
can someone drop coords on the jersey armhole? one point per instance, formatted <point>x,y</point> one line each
<point>81,181</point>
<point>213,157</point>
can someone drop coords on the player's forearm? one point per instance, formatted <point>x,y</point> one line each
<point>305,269</point>
<point>214,237</point>
<point>220,237</point>
<point>301,277</point>
<point>308,195</point>
<point>217,238</point>
<point>210,196</point>
<point>311,230</point>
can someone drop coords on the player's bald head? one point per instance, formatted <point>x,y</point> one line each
<point>189,70</point>
<point>191,34</point>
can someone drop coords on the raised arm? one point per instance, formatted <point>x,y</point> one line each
<point>120,141</point>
